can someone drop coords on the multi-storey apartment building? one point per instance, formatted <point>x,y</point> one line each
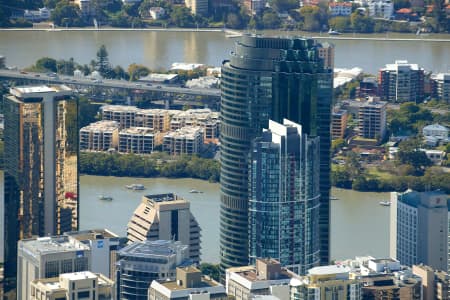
<point>441,86</point>
<point>122,114</point>
<point>339,119</point>
<point>165,217</point>
<point>435,283</point>
<point>419,228</point>
<point>372,119</point>
<point>138,140</point>
<point>187,140</point>
<point>401,82</point>
<point>156,119</point>
<point>99,136</point>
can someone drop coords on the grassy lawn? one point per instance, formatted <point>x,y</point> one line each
<point>375,173</point>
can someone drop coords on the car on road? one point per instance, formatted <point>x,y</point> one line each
<point>23,72</point>
<point>158,87</point>
<point>37,75</point>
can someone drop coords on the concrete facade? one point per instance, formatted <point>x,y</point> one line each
<point>165,217</point>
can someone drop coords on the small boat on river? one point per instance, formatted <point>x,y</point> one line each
<point>105,198</point>
<point>385,203</point>
<point>135,187</point>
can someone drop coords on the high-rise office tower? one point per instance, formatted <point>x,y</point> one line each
<point>284,197</point>
<point>41,165</point>
<point>269,78</point>
<point>165,217</point>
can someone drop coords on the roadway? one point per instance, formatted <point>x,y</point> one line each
<point>49,78</point>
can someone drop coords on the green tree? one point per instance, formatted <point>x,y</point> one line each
<point>46,64</point>
<point>313,18</point>
<point>66,67</point>
<point>102,63</point>
<point>66,14</point>
<point>340,23</point>
<point>181,16</point>
<point>362,23</point>
<point>234,21</point>
<point>270,20</point>
<point>136,71</point>
<point>283,5</point>
<point>210,270</point>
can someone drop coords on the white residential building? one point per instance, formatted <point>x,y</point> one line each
<point>381,8</point>
<point>436,131</point>
<point>157,12</point>
<point>419,228</point>
<point>340,8</point>
<point>186,140</point>
<point>442,86</point>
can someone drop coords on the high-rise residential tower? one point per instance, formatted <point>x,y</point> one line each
<point>269,78</point>
<point>419,229</point>
<point>284,197</point>
<point>41,165</point>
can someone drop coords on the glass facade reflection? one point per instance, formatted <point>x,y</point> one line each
<point>41,165</point>
<point>284,197</point>
<point>269,78</point>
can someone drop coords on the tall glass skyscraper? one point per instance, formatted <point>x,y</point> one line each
<point>284,197</point>
<point>269,78</point>
<point>41,165</point>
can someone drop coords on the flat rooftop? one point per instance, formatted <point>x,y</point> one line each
<point>47,245</point>
<point>329,270</point>
<point>94,234</point>
<point>163,197</point>
<point>205,283</point>
<point>31,91</point>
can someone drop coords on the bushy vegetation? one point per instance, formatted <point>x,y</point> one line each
<point>155,165</point>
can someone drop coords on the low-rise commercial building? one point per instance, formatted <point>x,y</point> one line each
<point>189,284</point>
<point>187,140</point>
<point>267,277</point>
<point>383,278</point>
<point>142,262</point>
<point>76,286</point>
<point>48,257</point>
<point>165,217</point>
<point>435,284</point>
<point>103,245</point>
<point>99,136</point>
<point>326,282</point>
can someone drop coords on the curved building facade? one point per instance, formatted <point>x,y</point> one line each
<point>269,78</point>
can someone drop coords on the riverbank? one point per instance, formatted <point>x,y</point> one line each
<point>229,33</point>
